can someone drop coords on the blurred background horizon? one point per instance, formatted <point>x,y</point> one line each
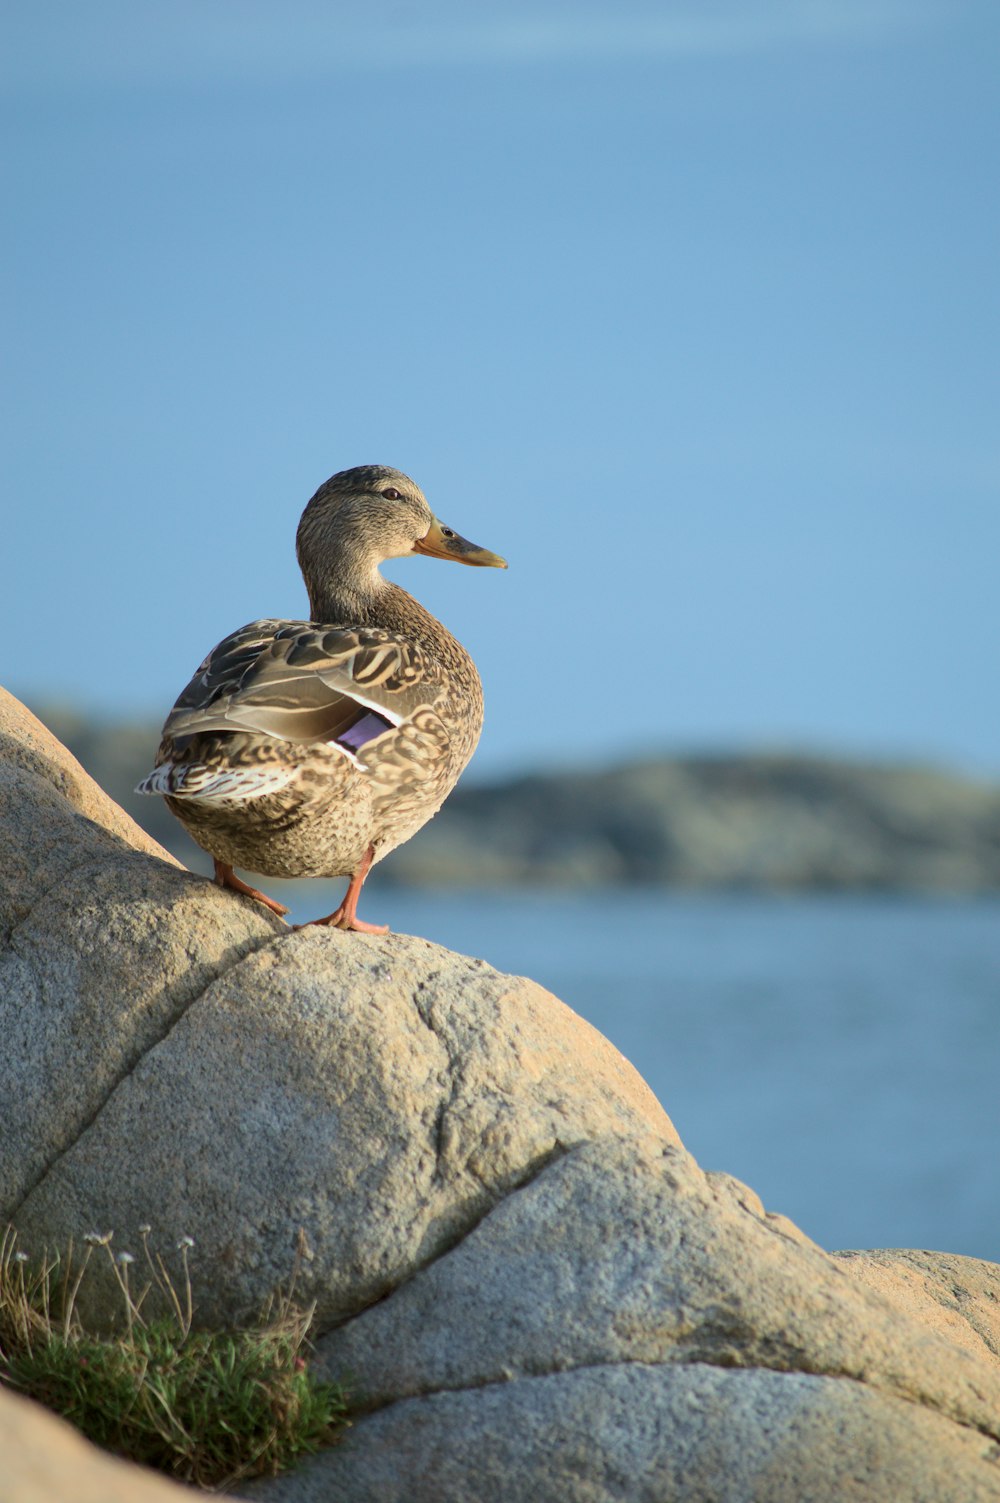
<point>691,311</point>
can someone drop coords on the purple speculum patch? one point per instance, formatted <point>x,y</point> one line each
<point>365,729</point>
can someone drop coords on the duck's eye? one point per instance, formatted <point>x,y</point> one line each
<point>446,532</point>
<point>391,494</point>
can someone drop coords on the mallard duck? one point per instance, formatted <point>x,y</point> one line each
<point>314,748</point>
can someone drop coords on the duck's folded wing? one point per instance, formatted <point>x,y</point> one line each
<point>299,682</point>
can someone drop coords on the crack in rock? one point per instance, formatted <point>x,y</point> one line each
<point>65,875</point>
<point>425,1013</point>
<point>132,1062</point>
<point>361,1409</point>
<point>646,1311</point>
<point>532,1171</point>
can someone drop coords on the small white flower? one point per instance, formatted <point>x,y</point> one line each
<point>20,1257</point>
<point>97,1240</point>
<point>125,1257</point>
<point>185,1243</point>
<point>145,1229</point>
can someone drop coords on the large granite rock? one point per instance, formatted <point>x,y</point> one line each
<point>639,1433</point>
<point>537,1292</point>
<point>957,1296</point>
<point>638,1329</point>
<point>178,1056</point>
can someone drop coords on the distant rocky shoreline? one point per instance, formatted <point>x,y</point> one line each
<point>759,822</point>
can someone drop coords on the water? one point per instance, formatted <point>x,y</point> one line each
<point>839,1054</point>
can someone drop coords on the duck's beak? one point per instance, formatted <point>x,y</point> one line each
<point>441,542</point>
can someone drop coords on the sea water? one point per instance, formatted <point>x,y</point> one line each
<point>841,1055</point>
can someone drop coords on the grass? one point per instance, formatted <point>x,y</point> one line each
<point>209,1408</point>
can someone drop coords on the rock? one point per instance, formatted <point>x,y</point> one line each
<point>176,1055</point>
<point>959,1297</point>
<point>379,1095</point>
<point>105,943</point>
<point>536,1292</point>
<point>646,1434</point>
<point>627,1251</point>
<point>46,1461</point>
<point>53,817</point>
<point>624,1258</point>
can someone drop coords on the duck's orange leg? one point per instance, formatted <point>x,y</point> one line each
<point>346,916</point>
<point>226,877</point>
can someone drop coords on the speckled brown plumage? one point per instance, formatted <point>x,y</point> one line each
<point>314,748</point>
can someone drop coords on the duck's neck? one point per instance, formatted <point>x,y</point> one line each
<point>347,599</point>
<point>367,600</point>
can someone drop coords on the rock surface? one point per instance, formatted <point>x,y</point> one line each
<point>537,1293</point>
<point>44,1460</point>
<point>176,1055</point>
<point>646,1434</point>
<point>628,1315</point>
<point>626,1251</point>
<point>959,1297</point>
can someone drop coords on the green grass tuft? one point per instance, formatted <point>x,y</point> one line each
<point>209,1408</point>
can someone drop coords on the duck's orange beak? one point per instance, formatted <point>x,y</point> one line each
<point>441,542</point>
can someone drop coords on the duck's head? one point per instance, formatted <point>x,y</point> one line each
<point>361,517</point>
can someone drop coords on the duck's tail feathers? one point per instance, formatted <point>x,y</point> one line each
<point>212,785</point>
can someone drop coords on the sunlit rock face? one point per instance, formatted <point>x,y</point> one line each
<point>536,1291</point>
<point>178,1056</point>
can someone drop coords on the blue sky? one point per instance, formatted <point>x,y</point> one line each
<point>691,311</point>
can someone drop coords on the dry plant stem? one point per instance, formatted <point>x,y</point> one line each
<point>120,1267</point>
<point>70,1293</point>
<point>160,1278</point>
<point>184,1244</point>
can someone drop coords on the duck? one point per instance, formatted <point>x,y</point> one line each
<point>314,748</point>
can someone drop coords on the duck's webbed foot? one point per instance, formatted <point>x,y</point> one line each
<point>342,919</point>
<point>226,877</point>
<point>346,916</point>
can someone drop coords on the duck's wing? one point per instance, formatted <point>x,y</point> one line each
<point>299,682</point>
<point>276,682</point>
